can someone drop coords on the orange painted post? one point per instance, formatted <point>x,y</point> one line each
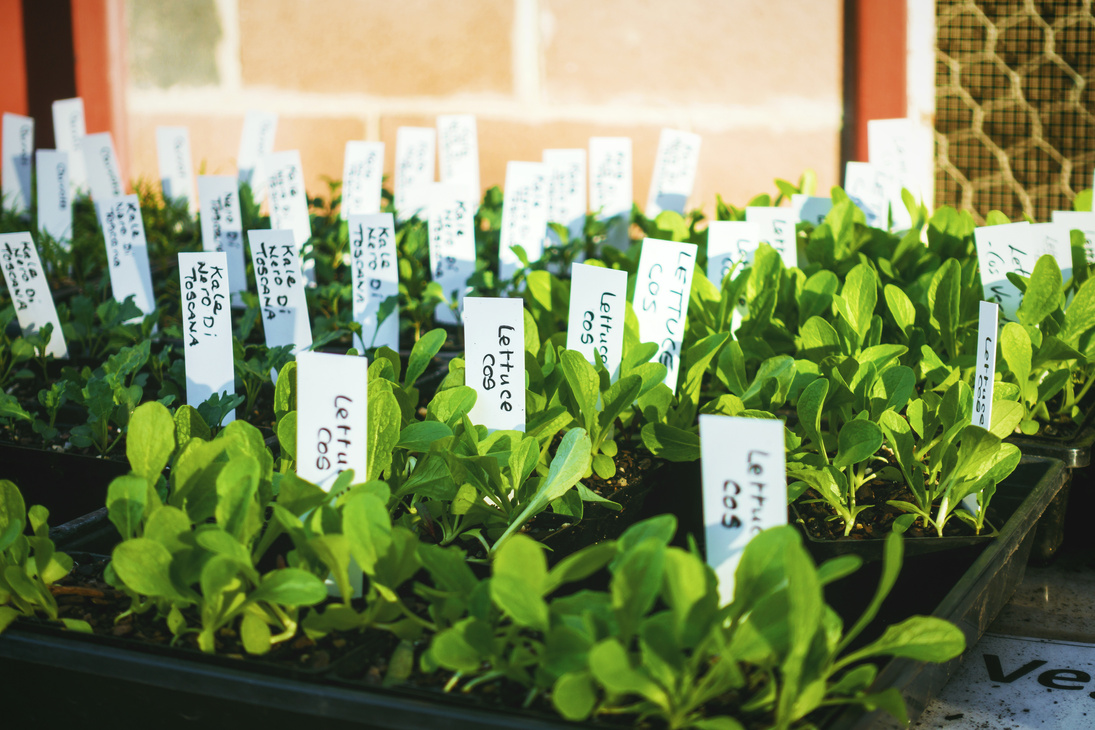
<point>98,45</point>
<point>13,58</point>
<point>878,88</point>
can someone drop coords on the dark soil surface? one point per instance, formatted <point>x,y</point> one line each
<point>873,523</point>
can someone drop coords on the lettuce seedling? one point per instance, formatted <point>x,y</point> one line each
<point>29,564</point>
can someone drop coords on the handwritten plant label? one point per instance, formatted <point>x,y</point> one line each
<point>730,243</point>
<point>375,279</point>
<point>207,327</point>
<point>660,302</point>
<point>674,171</point>
<point>610,192</point>
<point>777,229</point>
<point>29,290</point>
<point>68,131</point>
<point>176,166</point>
<point>362,174</point>
<point>867,190</point>
<point>414,161</point>
<point>744,488</point>
<point>596,322</point>
<point>494,335</point>
<point>276,261</point>
<point>126,249</point>
<point>18,151</point>
<point>104,176</point>
<point>566,191</point>
<point>458,150</point>
<point>984,375</point>
<point>1016,247</point>
<point>288,201</point>
<point>332,417</point>
<point>256,141</point>
<point>222,226</point>
<point>524,215</point>
<point>901,152</point>
<point>1082,221</point>
<point>811,209</point>
<point>54,195</point>
<point>451,224</point>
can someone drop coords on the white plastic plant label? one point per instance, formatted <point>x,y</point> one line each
<point>29,290</point>
<point>984,375</point>
<point>451,227</point>
<point>104,176</point>
<point>810,209</point>
<point>744,488</point>
<point>661,296</point>
<point>414,163</point>
<point>362,175</point>
<point>458,150</point>
<point>674,172</point>
<point>332,417</point>
<point>68,131</point>
<point>901,152</point>
<point>494,364</point>
<point>222,226</point>
<point>126,249</point>
<point>1083,221</point>
<point>1016,247</point>
<point>54,195</point>
<point>18,150</point>
<point>288,201</point>
<point>374,280</point>
<point>176,165</point>
<point>256,141</point>
<point>524,215</point>
<point>566,191</point>
<point>278,281</point>
<point>610,191</point>
<point>776,227</point>
<point>730,243</point>
<point>207,327</point>
<point>865,187</point>
<point>597,310</point>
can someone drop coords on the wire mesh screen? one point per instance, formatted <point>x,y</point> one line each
<point>1015,107</point>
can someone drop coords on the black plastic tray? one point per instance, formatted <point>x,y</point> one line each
<point>68,485</point>
<point>973,602</point>
<point>1075,452</point>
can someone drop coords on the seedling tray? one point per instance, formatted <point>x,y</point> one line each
<point>1075,452</point>
<point>972,602</point>
<point>68,485</point>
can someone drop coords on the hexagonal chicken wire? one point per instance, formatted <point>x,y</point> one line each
<point>1015,104</point>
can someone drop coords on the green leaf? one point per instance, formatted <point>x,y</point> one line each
<point>420,435</point>
<point>13,510</point>
<point>1016,349</point>
<point>944,299</point>
<point>290,587</point>
<point>856,442</point>
<point>423,351</point>
<point>610,665</point>
<point>449,406</point>
<point>189,424</point>
<point>150,440</point>
<point>856,301</point>
<point>901,307</point>
<point>366,524</point>
<point>237,507</point>
<point>920,638</point>
<point>1043,294</point>
<point>127,502</point>
<point>255,634</point>
<point>671,443</point>
<point>518,581</point>
<point>385,418</point>
<point>571,462</point>
<point>811,403</point>
<point>584,384</point>
<point>145,567</point>
<point>573,695</point>
<point>1080,316</point>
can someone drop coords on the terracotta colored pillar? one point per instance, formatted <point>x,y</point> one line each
<point>98,43</point>
<point>13,63</point>
<point>874,68</point>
